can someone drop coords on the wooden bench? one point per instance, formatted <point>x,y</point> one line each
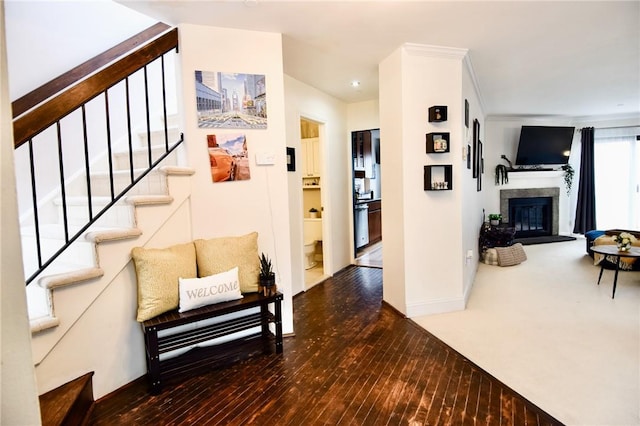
<point>186,337</point>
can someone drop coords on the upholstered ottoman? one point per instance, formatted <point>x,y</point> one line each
<point>590,236</point>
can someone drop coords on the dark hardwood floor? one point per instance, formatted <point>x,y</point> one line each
<point>353,361</point>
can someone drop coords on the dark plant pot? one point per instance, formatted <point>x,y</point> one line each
<point>267,284</point>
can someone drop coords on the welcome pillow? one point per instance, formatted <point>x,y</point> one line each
<point>199,292</point>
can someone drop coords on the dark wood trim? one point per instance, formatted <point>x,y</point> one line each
<point>38,119</point>
<point>60,83</point>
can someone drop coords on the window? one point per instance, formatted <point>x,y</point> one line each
<point>617,177</point>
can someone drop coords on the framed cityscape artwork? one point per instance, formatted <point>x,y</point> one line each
<point>231,100</point>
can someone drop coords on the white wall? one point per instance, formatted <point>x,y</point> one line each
<point>261,203</point>
<point>363,116</point>
<point>19,399</point>
<point>305,101</point>
<point>36,30</point>
<point>472,200</point>
<point>424,251</point>
<point>392,159</point>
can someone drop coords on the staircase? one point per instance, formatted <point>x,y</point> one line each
<point>125,188</point>
<point>90,263</point>
<point>79,261</point>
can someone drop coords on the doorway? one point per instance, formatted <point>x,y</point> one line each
<point>367,197</point>
<point>312,202</point>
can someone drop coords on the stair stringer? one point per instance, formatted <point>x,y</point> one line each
<point>70,301</point>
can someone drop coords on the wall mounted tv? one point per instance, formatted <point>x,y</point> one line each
<point>540,145</point>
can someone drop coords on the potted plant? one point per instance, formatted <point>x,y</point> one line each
<point>313,213</point>
<point>568,176</point>
<point>267,278</point>
<point>495,219</point>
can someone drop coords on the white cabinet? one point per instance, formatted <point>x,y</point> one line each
<point>311,157</point>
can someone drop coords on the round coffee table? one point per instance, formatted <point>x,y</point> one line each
<point>610,250</point>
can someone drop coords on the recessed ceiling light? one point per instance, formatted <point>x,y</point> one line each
<point>355,83</point>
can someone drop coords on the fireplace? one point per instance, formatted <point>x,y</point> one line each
<point>533,212</point>
<point>531,216</point>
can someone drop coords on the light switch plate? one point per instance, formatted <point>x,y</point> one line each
<point>265,159</point>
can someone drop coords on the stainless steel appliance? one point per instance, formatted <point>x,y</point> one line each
<point>362,224</point>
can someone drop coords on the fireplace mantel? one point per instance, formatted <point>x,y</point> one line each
<point>515,175</point>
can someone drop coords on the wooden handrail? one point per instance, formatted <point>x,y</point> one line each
<point>30,124</point>
<point>69,78</point>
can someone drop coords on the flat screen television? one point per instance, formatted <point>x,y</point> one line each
<point>540,145</point>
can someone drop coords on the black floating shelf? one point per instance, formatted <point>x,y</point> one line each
<point>443,173</point>
<point>438,113</point>
<point>437,143</point>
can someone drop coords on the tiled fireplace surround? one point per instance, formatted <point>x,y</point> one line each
<point>554,193</point>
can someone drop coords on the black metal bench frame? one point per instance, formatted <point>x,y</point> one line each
<point>198,357</point>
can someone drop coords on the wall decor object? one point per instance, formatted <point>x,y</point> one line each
<point>438,113</point>
<point>228,157</point>
<point>231,100</point>
<point>476,139</point>
<point>291,159</point>
<point>480,166</point>
<point>468,156</point>
<point>438,177</point>
<point>437,142</point>
<point>466,113</point>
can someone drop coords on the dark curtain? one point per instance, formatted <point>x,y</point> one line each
<point>586,206</point>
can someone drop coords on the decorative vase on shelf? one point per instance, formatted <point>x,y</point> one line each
<point>624,240</point>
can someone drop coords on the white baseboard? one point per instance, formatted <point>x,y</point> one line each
<point>438,306</point>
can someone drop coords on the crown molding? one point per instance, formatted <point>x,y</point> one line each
<point>458,53</point>
<point>474,81</point>
<point>434,51</point>
<point>572,119</point>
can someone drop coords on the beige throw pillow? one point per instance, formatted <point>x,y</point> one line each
<point>221,254</point>
<point>513,255</point>
<point>158,272</point>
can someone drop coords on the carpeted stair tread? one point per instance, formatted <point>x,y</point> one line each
<point>70,277</point>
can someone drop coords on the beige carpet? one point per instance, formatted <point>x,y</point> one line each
<point>547,330</point>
